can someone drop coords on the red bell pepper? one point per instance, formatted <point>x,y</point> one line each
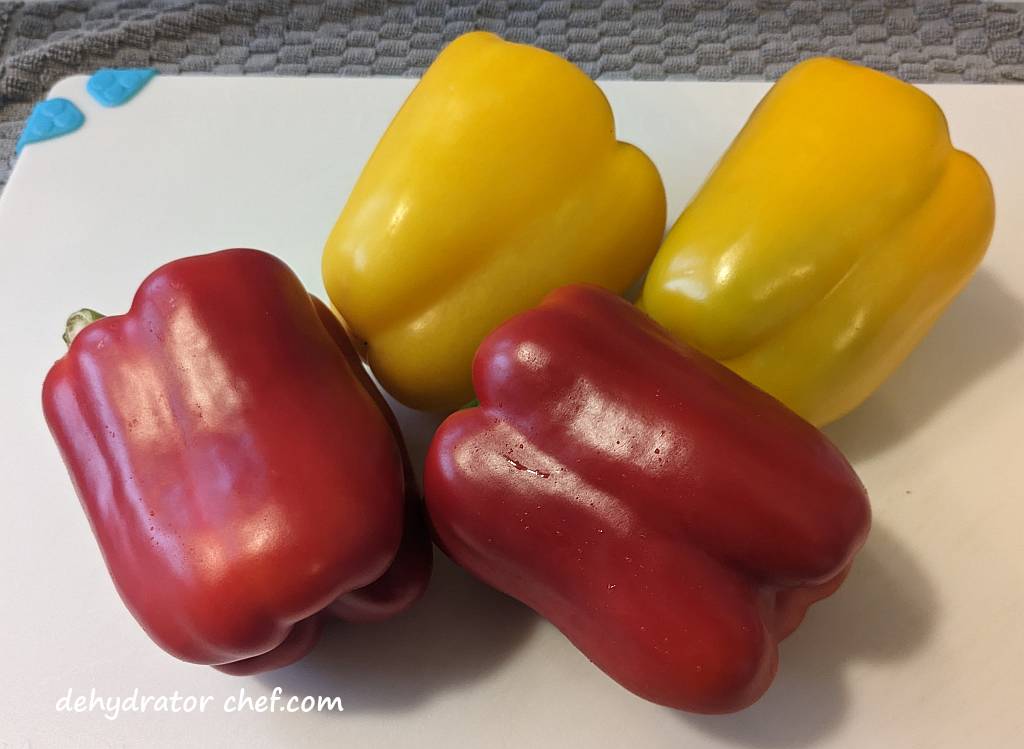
<point>239,470</point>
<point>673,521</point>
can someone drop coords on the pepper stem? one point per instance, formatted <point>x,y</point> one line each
<point>77,322</point>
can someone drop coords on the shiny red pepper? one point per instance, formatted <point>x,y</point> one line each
<point>239,470</point>
<point>672,520</point>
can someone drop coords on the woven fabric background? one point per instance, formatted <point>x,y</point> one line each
<point>922,40</point>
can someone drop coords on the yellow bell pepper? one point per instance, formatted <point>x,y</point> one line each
<point>828,239</point>
<point>499,180</point>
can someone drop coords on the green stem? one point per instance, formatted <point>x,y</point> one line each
<point>77,322</point>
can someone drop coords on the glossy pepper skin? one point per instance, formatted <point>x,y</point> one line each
<point>827,240</point>
<point>236,468</point>
<point>671,520</point>
<point>499,180</point>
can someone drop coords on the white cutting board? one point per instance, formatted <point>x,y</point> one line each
<point>922,647</point>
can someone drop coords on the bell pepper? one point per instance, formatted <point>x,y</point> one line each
<point>828,239</point>
<point>239,472</point>
<point>499,180</point>
<point>673,521</point>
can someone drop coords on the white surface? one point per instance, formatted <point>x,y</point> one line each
<point>921,648</point>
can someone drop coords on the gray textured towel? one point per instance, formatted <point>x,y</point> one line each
<point>927,40</point>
